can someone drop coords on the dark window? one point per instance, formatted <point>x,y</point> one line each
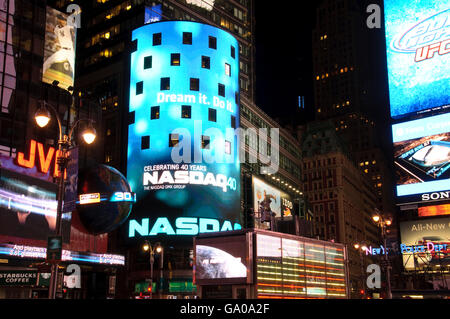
<point>157,38</point>
<point>174,139</point>
<point>187,38</point>
<point>233,121</point>
<point>212,115</point>
<point>165,84</point>
<point>139,87</point>
<point>236,98</point>
<point>213,42</point>
<point>186,111</point>
<point>206,62</point>
<point>147,62</point>
<point>221,90</point>
<point>195,84</point>
<point>155,113</point>
<point>131,117</point>
<point>175,59</point>
<point>233,52</point>
<point>206,140</point>
<point>145,142</point>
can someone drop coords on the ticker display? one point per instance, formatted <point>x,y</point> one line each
<point>418,50</point>
<point>183,153</point>
<point>422,157</point>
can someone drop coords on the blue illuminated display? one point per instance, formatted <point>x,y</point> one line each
<point>422,155</point>
<point>183,153</point>
<point>418,51</point>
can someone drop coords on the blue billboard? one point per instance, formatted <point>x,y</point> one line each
<point>183,153</point>
<point>422,155</point>
<point>418,51</point>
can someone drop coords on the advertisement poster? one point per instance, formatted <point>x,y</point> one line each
<point>270,200</point>
<point>418,51</point>
<point>425,242</point>
<point>59,50</point>
<point>422,155</point>
<point>183,153</point>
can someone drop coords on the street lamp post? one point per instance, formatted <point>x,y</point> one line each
<point>361,248</point>
<point>383,223</point>
<point>42,117</point>
<point>156,248</point>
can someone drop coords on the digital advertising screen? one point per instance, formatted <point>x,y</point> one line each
<point>270,200</point>
<point>153,14</point>
<point>183,153</point>
<point>219,259</point>
<point>425,243</point>
<point>422,157</point>
<point>418,50</point>
<point>434,210</point>
<point>59,49</point>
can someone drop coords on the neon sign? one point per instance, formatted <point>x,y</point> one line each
<point>45,160</point>
<point>188,226</point>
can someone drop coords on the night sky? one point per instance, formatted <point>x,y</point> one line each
<point>284,60</point>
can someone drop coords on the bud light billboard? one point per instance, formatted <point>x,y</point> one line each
<point>418,51</point>
<point>183,152</point>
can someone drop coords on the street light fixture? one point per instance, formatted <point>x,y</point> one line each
<point>42,117</point>
<point>383,223</point>
<point>158,249</point>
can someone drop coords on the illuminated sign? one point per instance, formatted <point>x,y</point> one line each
<point>214,263</point>
<point>153,14</point>
<point>270,200</point>
<point>43,160</point>
<point>31,252</point>
<point>206,4</point>
<point>183,154</point>
<point>422,157</point>
<point>425,243</point>
<point>89,198</point>
<point>123,197</point>
<point>436,210</point>
<point>418,47</point>
<point>184,226</point>
<point>59,49</point>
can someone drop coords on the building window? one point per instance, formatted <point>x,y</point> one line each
<point>175,59</point>
<point>165,84</point>
<point>233,52</point>
<point>174,139</point>
<point>206,62</point>
<point>227,69</point>
<point>131,117</point>
<point>154,113</point>
<point>212,115</point>
<point>221,90</point>
<point>148,62</point>
<point>227,147</point>
<point>206,140</point>
<point>213,43</point>
<point>233,121</point>
<point>145,142</point>
<point>139,87</point>
<point>187,37</point>
<point>157,37</point>
<point>236,98</point>
<point>195,84</point>
<point>186,111</point>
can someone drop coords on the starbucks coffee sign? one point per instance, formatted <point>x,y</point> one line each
<point>18,278</point>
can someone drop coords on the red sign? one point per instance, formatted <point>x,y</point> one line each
<point>44,159</point>
<point>436,210</point>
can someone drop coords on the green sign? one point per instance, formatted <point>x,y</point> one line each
<point>143,287</point>
<point>182,286</point>
<point>18,278</point>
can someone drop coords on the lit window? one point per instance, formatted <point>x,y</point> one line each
<point>186,111</point>
<point>227,147</point>
<point>206,62</point>
<point>174,140</point>
<point>227,69</point>
<point>175,59</point>
<point>206,141</point>
<point>154,113</point>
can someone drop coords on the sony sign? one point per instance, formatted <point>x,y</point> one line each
<point>435,196</point>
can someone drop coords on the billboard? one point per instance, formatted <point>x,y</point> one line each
<point>183,153</point>
<point>422,157</point>
<point>59,49</point>
<point>435,210</point>
<point>224,261</point>
<point>153,14</point>
<point>270,200</point>
<point>425,243</point>
<point>418,49</point>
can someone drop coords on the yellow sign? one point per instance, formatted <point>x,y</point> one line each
<point>89,198</point>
